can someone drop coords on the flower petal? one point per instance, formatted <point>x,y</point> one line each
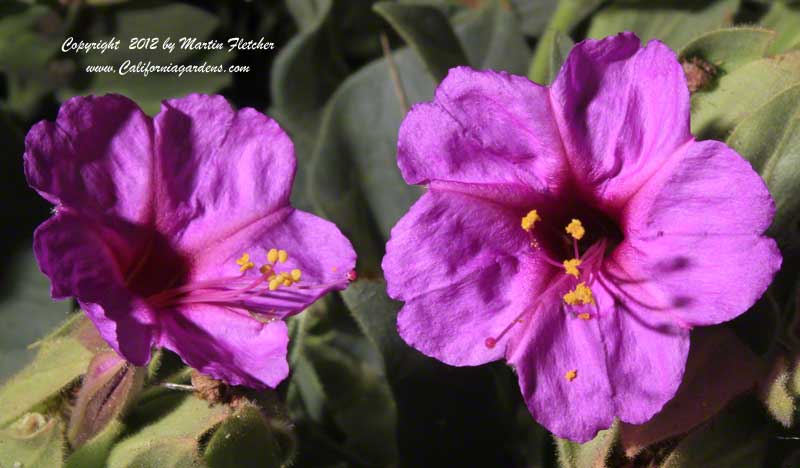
<point>80,263</point>
<point>622,111</point>
<point>694,249</point>
<point>96,158</point>
<point>628,363</point>
<point>220,170</point>
<point>227,344</point>
<point>465,269</point>
<point>482,126</point>
<point>646,354</point>
<point>315,246</point>
<point>555,343</point>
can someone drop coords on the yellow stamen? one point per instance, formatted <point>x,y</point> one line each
<point>282,256</point>
<point>584,316</point>
<point>580,295</point>
<point>245,263</point>
<point>570,375</point>
<point>275,283</point>
<point>265,269</point>
<point>272,255</point>
<point>530,219</point>
<point>571,267</point>
<point>575,229</point>
<point>296,274</point>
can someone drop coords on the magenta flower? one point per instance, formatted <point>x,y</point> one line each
<point>579,231</point>
<point>177,231</point>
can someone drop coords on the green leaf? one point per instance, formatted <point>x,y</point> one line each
<point>736,438</point>
<point>30,36</point>
<point>592,454</point>
<point>306,13</point>
<point>492,38</point>
<point>337,377</point>
<point>717,111</point>
<point>244,440</point>
<point>560,45</point>
<point>730,48</point>
<point>770,139</point>
<point>175,20</point>
<point>165,431</point>
<point>674,23</point>
<point>534,15</point>
<point>27,312</point>
<point>785,20</point>
<point>32,441</point>
<point>427,30</point>
<point>166,452</point>
<point>568,14</point>
<point>376,314</point>
<point>355,180</point>
<point>61,359</point>
<point>96,450</point>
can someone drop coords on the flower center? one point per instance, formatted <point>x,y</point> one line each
<point>268,293</point>
<point>571,289</point>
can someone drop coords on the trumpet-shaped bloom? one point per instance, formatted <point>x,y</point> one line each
<point>177,231</point>
<point>579,231</point>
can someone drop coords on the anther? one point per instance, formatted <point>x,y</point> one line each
<point>575,229</point>
<point>283,256</point>
<point>571,375</point>
<point>571,267</point>
<point>530,220</point>
<point>584,316</point>
<point>580,295</point>
<point>245,263</point>
<point>272,255</point>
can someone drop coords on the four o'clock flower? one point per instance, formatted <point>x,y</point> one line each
<point>177,231</point>
<point>578,231</point>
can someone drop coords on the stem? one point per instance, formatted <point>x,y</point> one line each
<point>395,74</point>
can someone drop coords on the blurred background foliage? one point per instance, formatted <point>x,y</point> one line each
<point>340,80</point>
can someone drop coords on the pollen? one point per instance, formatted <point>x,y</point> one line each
<point>571,267</point>
<point>580,295</point>
<point>285,278</point>
<point>530,219</point>
<point>272,255</point>
<point>584,316</point>
<point>245,263</point>
<point>571,375</point>
<point>275,282</point>
<point>575,229</point>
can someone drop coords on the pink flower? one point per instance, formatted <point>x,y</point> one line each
<point>578,231</point>
<point>177,231</point>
